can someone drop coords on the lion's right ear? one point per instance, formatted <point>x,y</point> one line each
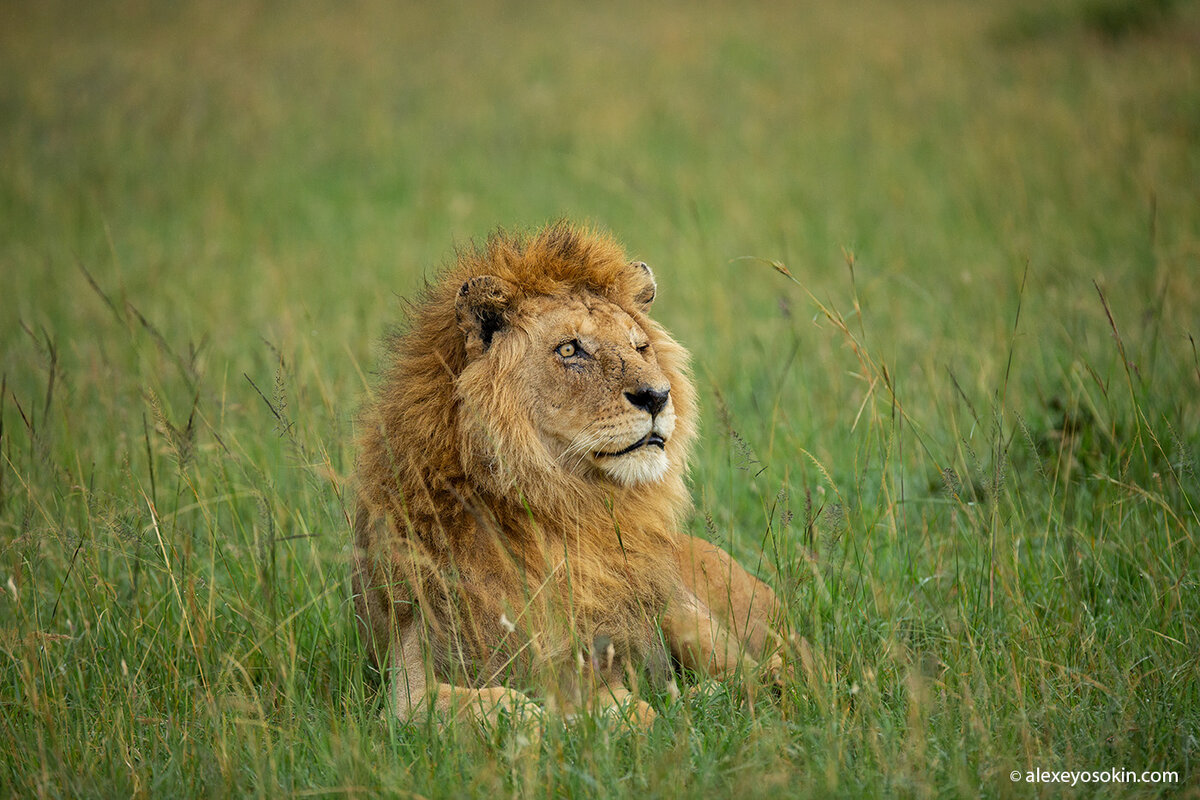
<point>647,288</point>
<point>482,306</point>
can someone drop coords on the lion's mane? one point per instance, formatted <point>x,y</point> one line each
<point>464,519</point>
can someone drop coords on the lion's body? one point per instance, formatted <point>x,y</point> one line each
<point>519,491</point>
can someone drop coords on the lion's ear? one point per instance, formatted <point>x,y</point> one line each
<point>482,306</point>
<point>646,287</point>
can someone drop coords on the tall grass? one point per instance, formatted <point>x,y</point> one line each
<point>936,267</point>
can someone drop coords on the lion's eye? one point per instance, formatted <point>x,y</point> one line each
<point>644,347</point>
<point>567,349</point>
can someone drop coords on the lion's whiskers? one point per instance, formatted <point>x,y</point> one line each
<point>582,446</point>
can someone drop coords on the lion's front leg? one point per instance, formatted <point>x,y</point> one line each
<point>700,642</point>
<point>414,689</point>
<point>723,621</point>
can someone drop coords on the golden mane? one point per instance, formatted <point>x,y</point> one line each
<point>463,514</point>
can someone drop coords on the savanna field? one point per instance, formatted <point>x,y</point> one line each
<point>938,265</point>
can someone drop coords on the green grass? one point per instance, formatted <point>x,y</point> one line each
<point>968,461</point>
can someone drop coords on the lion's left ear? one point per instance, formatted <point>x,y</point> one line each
<point>646,287</point>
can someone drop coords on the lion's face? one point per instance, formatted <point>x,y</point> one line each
<point>594,389</point>
<point>567,382</point>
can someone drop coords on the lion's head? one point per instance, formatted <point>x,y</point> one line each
<point>568,382</point>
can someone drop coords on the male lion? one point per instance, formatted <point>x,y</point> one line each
<point>521,488</point>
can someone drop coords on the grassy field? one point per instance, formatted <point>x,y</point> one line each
<point>962,442</point>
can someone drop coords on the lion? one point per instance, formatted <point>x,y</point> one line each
<point>521,490</point>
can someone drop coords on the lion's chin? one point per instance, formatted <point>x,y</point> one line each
<point>644,465</point>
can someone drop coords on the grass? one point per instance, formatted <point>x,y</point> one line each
<point>962,443</point>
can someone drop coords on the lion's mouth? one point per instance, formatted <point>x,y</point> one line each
<point>652,439</point>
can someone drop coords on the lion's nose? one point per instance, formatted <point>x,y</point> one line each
<point>649,399</point>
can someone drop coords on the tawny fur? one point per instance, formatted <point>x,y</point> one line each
<point>489,566</point>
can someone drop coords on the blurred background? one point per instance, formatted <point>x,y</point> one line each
<point>272,163</point>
